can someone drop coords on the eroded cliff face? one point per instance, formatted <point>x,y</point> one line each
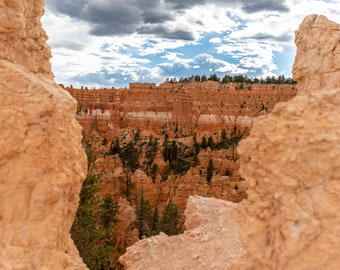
<point>42,163</point>
<point>290,161</point>
<point>193,107</point>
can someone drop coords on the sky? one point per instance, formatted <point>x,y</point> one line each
<point>110,43</point>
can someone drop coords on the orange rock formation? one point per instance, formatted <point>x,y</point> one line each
<point>194,106</point>
<point>317,59</point>
<point>42,163</point>
<point>290,219</point>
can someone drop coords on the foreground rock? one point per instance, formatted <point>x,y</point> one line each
<point>42,163</point>
<point>198,247</point>
<point>290,219</point>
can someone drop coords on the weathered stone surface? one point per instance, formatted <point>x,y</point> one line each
<point>316,65</point>
<point>198,247</point>
<point>290,161</point>
<point>42,163</point>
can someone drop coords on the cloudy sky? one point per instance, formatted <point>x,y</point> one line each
<point>109,43</point>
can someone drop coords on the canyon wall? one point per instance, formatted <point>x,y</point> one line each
<point>42,162</point>
<point>193,106</point>
<point>290,162</point>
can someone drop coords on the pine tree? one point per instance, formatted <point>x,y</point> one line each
<point>204,142</point>
<point>210,169</point>
<point>195,144</point>
<point>170,220</point>
<point>114,147</point>
<point>93,226</point>
<point>143,217</point>
<point>211,143</point>
<point>153,172</point>
<point>154,223</point>
<point>130,157</point>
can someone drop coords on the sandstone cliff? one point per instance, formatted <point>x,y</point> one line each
<point>42,163</point>
<point>193,107</point>
<point>290,161</point>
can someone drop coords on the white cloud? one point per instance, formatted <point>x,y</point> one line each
<point>215,40</point>
<point>156,46</point>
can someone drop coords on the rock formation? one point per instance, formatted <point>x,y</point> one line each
<point>42,163</point>
<point>317,59</point>
<point>290,161</point>
<point>198,247</point>
<point>194,106</point>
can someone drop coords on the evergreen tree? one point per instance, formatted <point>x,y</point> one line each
<point>93,226</point>
<point>126,185</point>
<point>153,172</point>
<point>211,143</point>
<point>154,223</point>
<point>214,77</point>
<point>195,144</point>
<point>166,148</point>
<point>151,150</point>
<point>210,169</point>
<point>170,220</point>
<point>204,142</point>
<point>223,143</point>
<point>108,211</point>
<point>197,78</point>
<point>143,217</point>
<point>114,147</point>
<point>130,157</point>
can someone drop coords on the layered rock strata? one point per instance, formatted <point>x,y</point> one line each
<point>42,163</point>
<point>195,106</point>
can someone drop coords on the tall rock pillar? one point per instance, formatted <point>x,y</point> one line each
<point>42,163</point>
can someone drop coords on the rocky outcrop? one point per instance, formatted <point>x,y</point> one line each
<point>290,161</point>
<point>198,247</point>
<point>42,163</point>
<point>290,219</point>
<point>316,65</point>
